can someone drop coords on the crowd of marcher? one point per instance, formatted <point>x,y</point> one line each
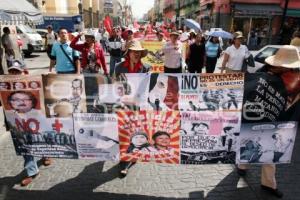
<point>183,51</point>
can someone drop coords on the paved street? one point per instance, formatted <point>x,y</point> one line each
<point>86,180</point>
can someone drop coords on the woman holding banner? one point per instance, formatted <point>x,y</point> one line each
<point>132,64</point>
<point>281,76</point>
<point>133,59</point>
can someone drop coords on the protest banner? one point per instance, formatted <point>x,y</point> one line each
<point>270,143</point>
<point>44,113</point>
<point>96,136</point>
<point>149,136</point>
<point>209,137</point>
<point>154,57</point>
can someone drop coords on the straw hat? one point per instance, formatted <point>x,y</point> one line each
<point>287,56</point>
<point>175,33</point>
<point>136,46</point>
<point>238,35</point>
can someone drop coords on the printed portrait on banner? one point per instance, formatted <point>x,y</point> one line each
<point>125,92</point>
<point>266,142</point>
<point>149,136</point>
<point>163,93</point>
<point>64,95</point>
<point>209,137</point>
<point>96,136</point>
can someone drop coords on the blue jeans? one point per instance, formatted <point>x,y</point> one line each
<point>30,165</point>
<point>112,64</point>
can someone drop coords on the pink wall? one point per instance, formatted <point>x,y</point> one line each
<point>293,4</point>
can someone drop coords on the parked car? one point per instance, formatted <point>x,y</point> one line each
<point>43,33</point>
<point>259,57</point>
<point>32,41</point>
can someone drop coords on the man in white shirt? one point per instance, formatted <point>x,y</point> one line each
<point>50,40</point>
<point>173,52</point>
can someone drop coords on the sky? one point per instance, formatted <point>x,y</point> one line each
<point>140,7</point>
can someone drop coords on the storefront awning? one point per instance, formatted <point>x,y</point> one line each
<point>293,13</point>
<point>19,12</point>
<point>257,9</point>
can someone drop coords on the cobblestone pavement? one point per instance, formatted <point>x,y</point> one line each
<point>85,180</point>
<point>88,180</point>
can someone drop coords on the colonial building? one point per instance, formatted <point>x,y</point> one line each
<point>262,17</point>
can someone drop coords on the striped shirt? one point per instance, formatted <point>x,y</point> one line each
<point>211,49</point>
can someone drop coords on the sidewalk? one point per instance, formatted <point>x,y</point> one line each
<point>87,180</point>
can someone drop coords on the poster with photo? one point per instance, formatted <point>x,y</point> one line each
<point>149,136</point>
<point>96,136</point>
<point>21,93</point>
<point>163,93</point>
<point>64,95</point>
<point>209,137</point>
<point>154,57</point>
<point>42,137</point>
<point>266,143</point>
<point>220,92</point>
<point>125,92</point>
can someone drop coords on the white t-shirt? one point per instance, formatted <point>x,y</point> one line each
<point>236,56</point>
<point>50,38</point>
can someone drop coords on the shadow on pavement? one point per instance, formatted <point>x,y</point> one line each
<point>78,188</point>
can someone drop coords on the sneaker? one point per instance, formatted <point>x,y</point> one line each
<point>26,181</point>
<point>47,161</point>
<point>241,172</point>
<point>274,192</point>
<point>123,173</point>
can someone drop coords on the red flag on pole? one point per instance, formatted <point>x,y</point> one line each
<point>107,22</point>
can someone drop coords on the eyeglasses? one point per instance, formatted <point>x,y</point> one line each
<point>21,100</point>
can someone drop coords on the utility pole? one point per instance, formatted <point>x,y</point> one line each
<point>283,19</point>
<point>178,14</point>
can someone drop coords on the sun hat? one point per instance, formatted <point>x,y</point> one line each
<point>89,33</point>
<point>287,56</point>
<point>17,65</point>
<point>238,35</point>
<point>192,31</point>
<point>135,45</point>
<point>175,33</point>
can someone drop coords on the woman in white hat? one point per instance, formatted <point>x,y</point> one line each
<point>133,62</point>
<point>235,54</point>
<point>280,79</point>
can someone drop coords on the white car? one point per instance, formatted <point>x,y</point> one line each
<point>259,57</point>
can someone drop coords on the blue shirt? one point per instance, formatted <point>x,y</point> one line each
<point>211,49</point>
<point>63,64</point>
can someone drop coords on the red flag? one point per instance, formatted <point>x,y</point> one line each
<point>136,25</point>
<point>107,22</point>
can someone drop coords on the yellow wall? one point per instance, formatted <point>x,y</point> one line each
<point>87,4</point>
<point>73,6</point>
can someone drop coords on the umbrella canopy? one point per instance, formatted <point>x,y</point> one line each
<point>192,24</point>
<point>19,12</point>
<point>221,33</point>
